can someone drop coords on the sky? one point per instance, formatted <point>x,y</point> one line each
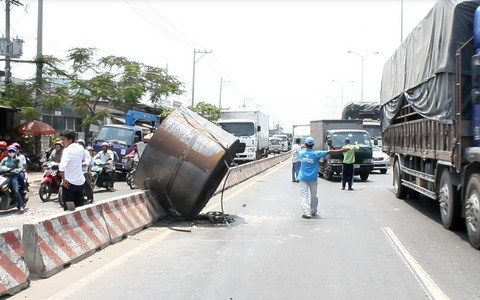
<point>288,59</point>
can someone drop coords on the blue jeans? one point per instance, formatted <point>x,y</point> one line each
<point>14,186</point>
<point>295,170</point>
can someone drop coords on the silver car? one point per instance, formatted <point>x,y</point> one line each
<point>381,160</point>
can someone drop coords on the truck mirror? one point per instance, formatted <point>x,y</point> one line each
<point>259,128</point>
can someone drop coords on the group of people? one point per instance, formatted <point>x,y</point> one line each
<point>305,164</point>
<point>11,158</point>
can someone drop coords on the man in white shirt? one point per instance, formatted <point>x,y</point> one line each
<point>296,160</point>
<point>70,169</point>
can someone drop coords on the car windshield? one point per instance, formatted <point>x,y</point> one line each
<point>274,142</point>
<point>239,129</point>
<point>121,135</point>
<point>362,138</point>
<point>282,137</point>
<point>376,148</point>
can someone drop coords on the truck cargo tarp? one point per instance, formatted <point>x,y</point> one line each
<point>422,70</point>
<point>361,110</point>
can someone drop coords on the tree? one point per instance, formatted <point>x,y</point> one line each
<point>90,83</point>
<point>208,111</point>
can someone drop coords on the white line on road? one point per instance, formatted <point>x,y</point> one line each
<point>65,293</point>
<point>427,283</point>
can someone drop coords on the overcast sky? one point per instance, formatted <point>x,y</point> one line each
<point>280,57</point>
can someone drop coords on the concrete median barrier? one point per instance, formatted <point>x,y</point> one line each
<point>13,269</point>
<point>127,215</point>
<point>55,242</point>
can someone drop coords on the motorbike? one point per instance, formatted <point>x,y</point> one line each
<point>51,181</point>
<point>34,162</point>
<point>130,175</point>
<point>7,200</point>
<point>99,174</point>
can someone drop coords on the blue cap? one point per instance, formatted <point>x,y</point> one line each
<point>309,141</point>
<point>346,140</point>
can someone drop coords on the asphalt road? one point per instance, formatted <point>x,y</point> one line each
<point>366,244</point>
<point>38,209</point>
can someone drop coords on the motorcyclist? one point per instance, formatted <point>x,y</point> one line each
<point>13,162</point>
<point>115,154</point>
<point>107,156</point>
<point>22,175</point>
<point>3,150</point>
<point>56,154</point>
<point>85,166</point>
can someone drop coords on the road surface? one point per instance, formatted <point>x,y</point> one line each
<point>366,244</point>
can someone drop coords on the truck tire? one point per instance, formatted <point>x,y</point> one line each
<point>364,176</point>
<point>400,190</point>
<point>472,210</point>
<point>449,201</point>
<point>327,174</point>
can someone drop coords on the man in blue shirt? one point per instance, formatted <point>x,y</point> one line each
<point>308,176</point>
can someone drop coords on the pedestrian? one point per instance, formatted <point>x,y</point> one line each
<point>296,160</point>
<point>308,175</point>
<point>70,169</point>
<point>85,166</point>
<point>13,162</point>
<point>348,163</point>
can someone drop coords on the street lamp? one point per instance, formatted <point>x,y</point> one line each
<point>362,57</point>
<point>342,85</point>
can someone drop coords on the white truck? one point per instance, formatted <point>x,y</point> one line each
<point>251,128</point>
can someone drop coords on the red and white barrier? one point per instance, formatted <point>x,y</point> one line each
<point>126,215</point>
<point>13,270</point>
<point>52,243</point>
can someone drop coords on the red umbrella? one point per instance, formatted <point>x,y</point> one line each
<point>35,128</point>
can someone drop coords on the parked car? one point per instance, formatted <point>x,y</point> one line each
<point>381,160</point>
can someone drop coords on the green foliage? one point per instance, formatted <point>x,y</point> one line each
<point>208,111</point>
<point>30,113</point>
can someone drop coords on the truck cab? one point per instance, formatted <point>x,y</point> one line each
<point>247,131</point>
<point>331,165</point>
<point>284,142</point>
<point>123,138</point>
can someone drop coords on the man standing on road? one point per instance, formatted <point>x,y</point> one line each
<point>348,163</point>
<point>296,160</point>
<point>71,171</point>
<point>308,175</point>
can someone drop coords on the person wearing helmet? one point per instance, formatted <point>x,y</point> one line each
<point>22,176</point>
<point>108,157</point>
<point>308,174</point>
<point>3,150</point>
<point>348,163</point>
<point>56,154</point>
<point>12,162</point>
<point>115,154</point>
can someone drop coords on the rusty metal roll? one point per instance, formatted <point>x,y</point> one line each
<point>185,161</point>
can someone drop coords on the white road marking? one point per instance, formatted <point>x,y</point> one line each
<point>65,293</point>
<point>427,283</point>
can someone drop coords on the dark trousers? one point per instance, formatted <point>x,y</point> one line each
<point>347,175</point>
<point>88,187</point>
<point>14,186</point>
<point>74,193</point>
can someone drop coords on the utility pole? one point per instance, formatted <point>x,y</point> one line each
<point>195,60</point>
<point>39,59</point>
<point>8,75</point>
<point>220,97</point>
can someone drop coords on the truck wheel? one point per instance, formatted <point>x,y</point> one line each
<point>472,210</point>
<point>400,190</point>
<point>449,201</point>
<point>364,176</point>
